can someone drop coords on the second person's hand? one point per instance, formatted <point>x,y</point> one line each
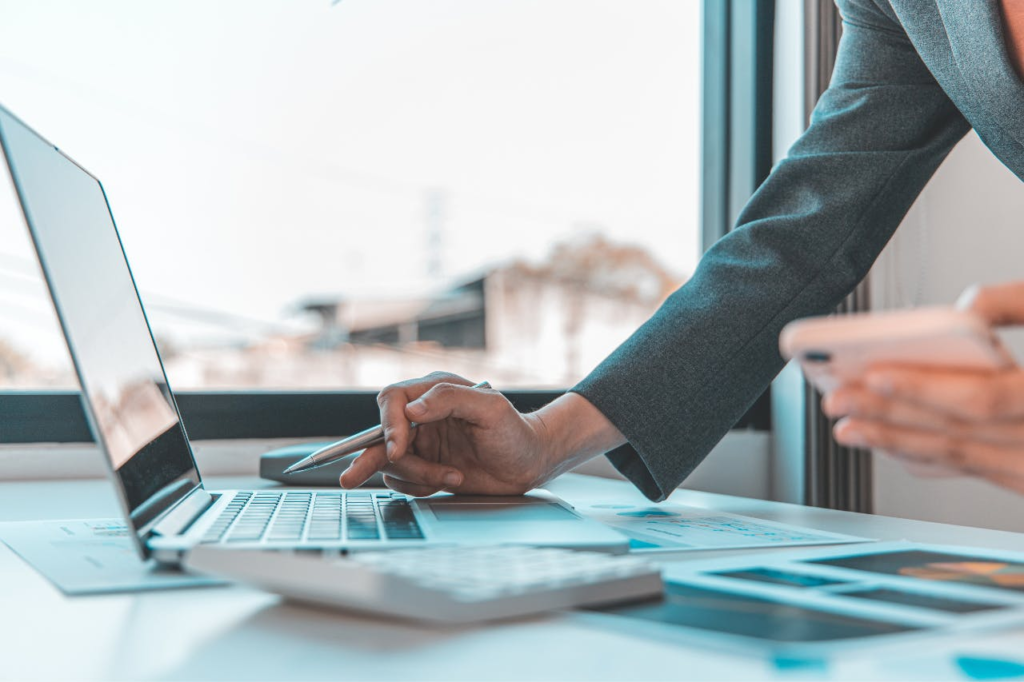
<point>944,421</point>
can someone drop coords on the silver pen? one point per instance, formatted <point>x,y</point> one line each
<point>346,446</point>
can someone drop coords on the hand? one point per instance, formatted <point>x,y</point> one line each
<point>473,441</point>
<point>469,440</point>
<point>950,421</point>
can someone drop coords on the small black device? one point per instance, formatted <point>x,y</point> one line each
<point>273,464</point>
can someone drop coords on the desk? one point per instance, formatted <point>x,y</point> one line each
<point>238,633</point>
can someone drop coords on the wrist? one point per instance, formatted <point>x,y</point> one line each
<point>570,430</point>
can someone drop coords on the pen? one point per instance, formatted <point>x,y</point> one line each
<point>346,446</point>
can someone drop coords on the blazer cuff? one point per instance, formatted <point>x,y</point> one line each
<point>630,464</point>
<point>630,461</point>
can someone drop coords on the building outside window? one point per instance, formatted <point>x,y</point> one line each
<point>342,196</point>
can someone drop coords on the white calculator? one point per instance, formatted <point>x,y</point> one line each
<point>443,584</point>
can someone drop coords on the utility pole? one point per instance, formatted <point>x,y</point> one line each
<point>435,202</point>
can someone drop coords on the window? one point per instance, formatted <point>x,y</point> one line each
<point>318,195</point>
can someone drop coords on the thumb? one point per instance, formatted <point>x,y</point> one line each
<point>1000,304</point>
<point>475,405</point>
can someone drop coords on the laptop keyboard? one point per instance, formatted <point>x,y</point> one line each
<point>294,517</point>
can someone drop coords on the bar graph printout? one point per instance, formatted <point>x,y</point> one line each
<point>676,527</point>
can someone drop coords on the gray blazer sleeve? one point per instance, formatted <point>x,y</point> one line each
<point>806,238</point>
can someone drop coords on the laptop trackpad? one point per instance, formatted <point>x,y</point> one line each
<point>446,510</point>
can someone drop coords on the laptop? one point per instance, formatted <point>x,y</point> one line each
<point>136,422</point>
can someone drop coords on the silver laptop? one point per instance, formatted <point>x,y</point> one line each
<point>135,420</point>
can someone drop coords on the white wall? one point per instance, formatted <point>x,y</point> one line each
<point>967,227</point>
<point>739,465</point>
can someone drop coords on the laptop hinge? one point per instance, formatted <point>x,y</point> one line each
<point>182,515</point>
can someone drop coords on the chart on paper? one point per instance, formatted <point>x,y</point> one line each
<point>678,527</point>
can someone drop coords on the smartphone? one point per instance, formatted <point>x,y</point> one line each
<point>839,349</point>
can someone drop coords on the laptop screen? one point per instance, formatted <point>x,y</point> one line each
<point>130,407</point>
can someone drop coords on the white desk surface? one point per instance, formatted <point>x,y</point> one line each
<point>238,633</point>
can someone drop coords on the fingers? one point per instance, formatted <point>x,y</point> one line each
<point>407,488</point>
<point>859,402</point>
<point>475,405</point>
<point>940,452</point>
<point>410,472</point>
<point>1001,304</point>
<point>392,402</point>
<point>362,467</point>
<point>935,448</point>
<point>418,471</point>
<point>932,471</point>
<point>867,405</point>
<point>924,470</point>
<point>973,396</point>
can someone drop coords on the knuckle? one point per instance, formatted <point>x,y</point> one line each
<point>443,390</point>
<point>441,377</point>
<point>498,403</point>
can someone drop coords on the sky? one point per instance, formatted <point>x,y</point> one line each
<point>257,153</point>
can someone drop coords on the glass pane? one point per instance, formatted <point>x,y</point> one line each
<point>344,195</point>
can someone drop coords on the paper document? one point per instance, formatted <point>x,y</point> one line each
<point>91,556</point>
<point>676,527</point>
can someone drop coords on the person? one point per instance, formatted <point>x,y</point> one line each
<point>911,78</point>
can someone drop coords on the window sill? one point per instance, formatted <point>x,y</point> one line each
<point>746,451</point>
<point>47,461</point>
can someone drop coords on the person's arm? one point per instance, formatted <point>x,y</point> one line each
<point>807,237</point>
<point>676,386</point>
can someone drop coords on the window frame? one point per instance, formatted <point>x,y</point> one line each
<point>737,92</point>
<point>736,157</point>
<point>58,416</point>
